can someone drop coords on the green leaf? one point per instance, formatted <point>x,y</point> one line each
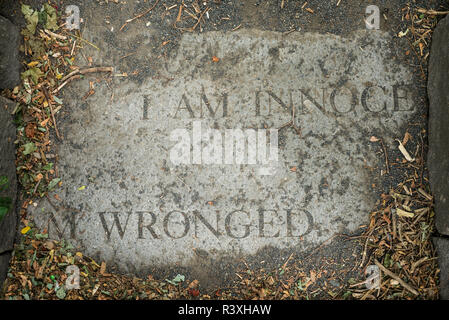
<point>34,73</point>
<point>34,282</point>
<point>179,278</point>
<point>53,183</point>
<point>42,17</point>
<point>299,285</point>
<point>59,101</point>
<point>37,47</point>
<point>347,295</point>
<point>29,148</point>
<point>26,10</point>
<point>52,18</point>
<point>48,166</point>
<point>387,261</point>
<point>60,293</point>
<point>40,236</point>
<point>32,18</point>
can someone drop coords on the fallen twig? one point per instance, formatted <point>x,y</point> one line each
<point>404,152</point>
<point>291,123</point>
<point>139,15</point>
<point>47,96</point>
<point>365,248</point>
<point>89,43</point>
<point>432,12</point>
<point>386,156</point>
<point>397,278</point>
<point>57,36</point>
<point>76,74</point>
<point>197,23</point>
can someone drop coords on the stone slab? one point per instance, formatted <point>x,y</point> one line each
<point>438,157</point>
<point>125,198</point>
<point>442,248</point>
<point>8,225</point>
<point>9,54</point>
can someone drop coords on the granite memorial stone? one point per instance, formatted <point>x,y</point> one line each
<point>265,145</point>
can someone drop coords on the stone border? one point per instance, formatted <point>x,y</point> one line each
<point>438,157</point>
<point>8,225</point>
<point>9,54</point>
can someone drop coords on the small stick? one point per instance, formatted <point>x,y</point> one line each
<point>199,20</point>
<point>70,74</point>
<point>89,43</point>
<point>73,48</point>
<point>291,123</point>
<point>96,69</point>
<point>298,130</point>
<point>287,124</point>
<point>77,76</point>
<point>395,277</point>
<point>127,55</point>
<point>52,112</point>
<point>178,18</point>
<point>394,220</point>
<point>432,12</point>
<point>88,70</point>
<point>191,14</point>
<point>425,194</point>
<point>139,15</point>
<point>288,32</point>
<point>57,36</point>
<point>322,245</point>
<point>237,27</point>
<point>285,264</point>
<point>386,156</point>
<point>74,75</point>
<point>37,185</point>
<point>365,248</point>
<point>417,56</point>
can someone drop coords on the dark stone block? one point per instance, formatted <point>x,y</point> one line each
<point>4,265</point>
<point>438,90</point>
<point>8,225</point>
<point>9,54</point>
<point>442,247</point>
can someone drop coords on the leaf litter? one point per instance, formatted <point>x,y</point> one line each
<point>49,52</point>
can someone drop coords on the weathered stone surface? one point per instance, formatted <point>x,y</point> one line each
<point>141,209</point>
<point>438,91</point>
<point>9,54</point>
<point>8,224</point>
<point>442,247</point>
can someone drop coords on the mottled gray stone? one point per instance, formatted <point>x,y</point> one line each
<point>442,248</point>
<point>8,224</point>
<point>438,91</point>
<point>9,54</point>
<point>140,210</point>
